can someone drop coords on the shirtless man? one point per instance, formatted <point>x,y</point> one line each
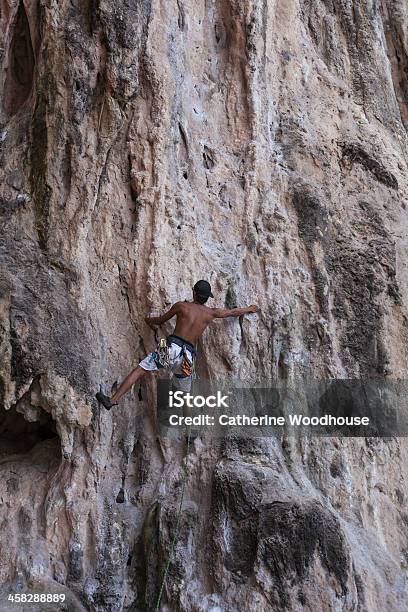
<point>192,319</point>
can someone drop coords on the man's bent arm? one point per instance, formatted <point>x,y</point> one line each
<point>223,313</point>
<point>168,315</point>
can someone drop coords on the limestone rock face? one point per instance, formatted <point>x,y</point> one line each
<point>144,145</point>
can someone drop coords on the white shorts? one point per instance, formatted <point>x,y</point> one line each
<point>177,355</point>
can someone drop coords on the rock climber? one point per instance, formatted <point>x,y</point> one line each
<point>176,353</point>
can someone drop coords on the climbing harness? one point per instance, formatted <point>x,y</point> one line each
<point>177,529</point>
<point>163,358</point>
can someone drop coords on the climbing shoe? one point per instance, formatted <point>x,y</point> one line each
<point>104,400</point>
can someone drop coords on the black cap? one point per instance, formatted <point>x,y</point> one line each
<point>203,289</point>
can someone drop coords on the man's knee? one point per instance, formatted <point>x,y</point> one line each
<point>142,372</point>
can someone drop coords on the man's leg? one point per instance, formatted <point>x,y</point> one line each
<point>137,374</point>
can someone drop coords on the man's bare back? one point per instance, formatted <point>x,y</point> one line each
<point>193,319</point>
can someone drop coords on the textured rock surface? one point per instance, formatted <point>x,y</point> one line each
<point>143,145</point>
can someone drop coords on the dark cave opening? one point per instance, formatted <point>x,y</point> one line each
<point>20,73</point>
<point>19,436</point>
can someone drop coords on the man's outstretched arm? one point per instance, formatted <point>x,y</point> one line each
<point>223,313</point>
<point>163,318</point>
